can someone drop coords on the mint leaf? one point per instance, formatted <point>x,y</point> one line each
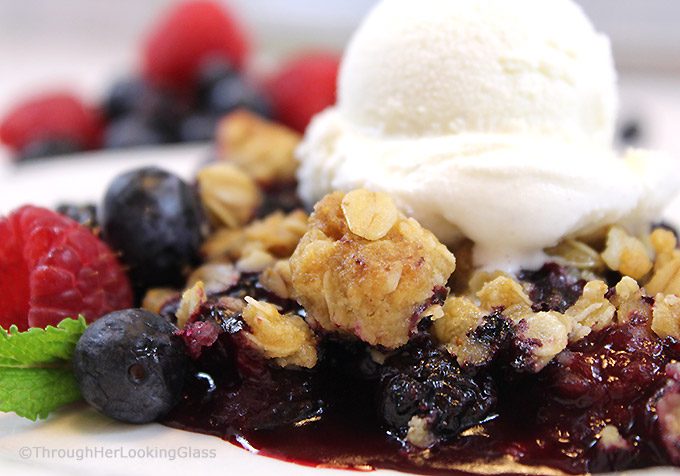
<point>35,392</point>
<point>35,368</point>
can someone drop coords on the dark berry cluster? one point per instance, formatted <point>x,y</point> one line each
<point>422,380</point>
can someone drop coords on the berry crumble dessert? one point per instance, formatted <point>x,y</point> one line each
<point>450,272</point>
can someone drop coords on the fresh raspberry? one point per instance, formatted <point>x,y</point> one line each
<point>55,116</point>
<point>190,35</point>
<point>303,88</point>
<point>52,268</point>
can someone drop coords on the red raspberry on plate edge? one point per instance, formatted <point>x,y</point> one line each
<point>52,116</point>
<point>191,34</point>
<point>304,87</point>
<point>52,268</point>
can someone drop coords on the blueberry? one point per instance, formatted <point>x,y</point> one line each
<point>130,365</point>
<point>232,93</point>
<point>86,214</point>
<point>198,128</point>
<point>553,287</point>
<point>131,131</point>
<point>47,148</point>
<point>212,72</point>
<point>165,110</point>
<point>155,220</point>
<point>125,97</point>
<point>153,110</point>
<point>425,381</point>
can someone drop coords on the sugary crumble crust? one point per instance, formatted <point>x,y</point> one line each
<point>578,254</point>
<point>156,299</point>
<point>217,276</point>
<point>190,305</point>
<point>626,254</point>
<point>285,338</point>
<point>461,317</point>
<point>539,335</point>
<point>592,311</point>
<point>370,287</point>
<point>229,195</point>
<point>666,316</point>
<point>263,149</point>
<point>258,245</point>
<point>360,267</point>
<point>278,279</point>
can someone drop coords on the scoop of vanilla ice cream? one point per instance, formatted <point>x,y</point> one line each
<point>437,67</point>
<point>487,119</point>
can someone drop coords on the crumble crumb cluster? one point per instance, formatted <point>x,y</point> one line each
<point>539,335</point>
<point>230,196</point>
<point>264,149</point>
<point>364,269</point>
<point>286,338</point>
<point>258,245</point>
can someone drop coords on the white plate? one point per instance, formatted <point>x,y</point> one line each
<point>78,441</point>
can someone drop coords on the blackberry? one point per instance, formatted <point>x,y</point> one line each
<point>425,381</point>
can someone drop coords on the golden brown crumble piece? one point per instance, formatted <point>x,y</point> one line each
<point>254,260</point>
<point>481,278</point>
<point>591,312</point>
<point>375,289</point>
<point>369,215</point>
<point>666,278</point>
<point>263,149</point>
<point>665,246</point>
<point>224,244</point>
<point>629,301</point>
<point>190,305</point>
<point>156,299</point>
<point>506,293</point>
<point>461,318</point>
<point>277,234</point>
<point>626,254</point>
<point>285,338</point>
<point>217,277</point>
<point>278,279</point>
<point>542,335</point>
<point>576,253</point>
<point>666,316</point>
<point>230,196</point>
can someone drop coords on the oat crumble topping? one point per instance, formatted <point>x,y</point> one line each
<point>372,289</point>
<point>285,338</point>
<point>261,148</point>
